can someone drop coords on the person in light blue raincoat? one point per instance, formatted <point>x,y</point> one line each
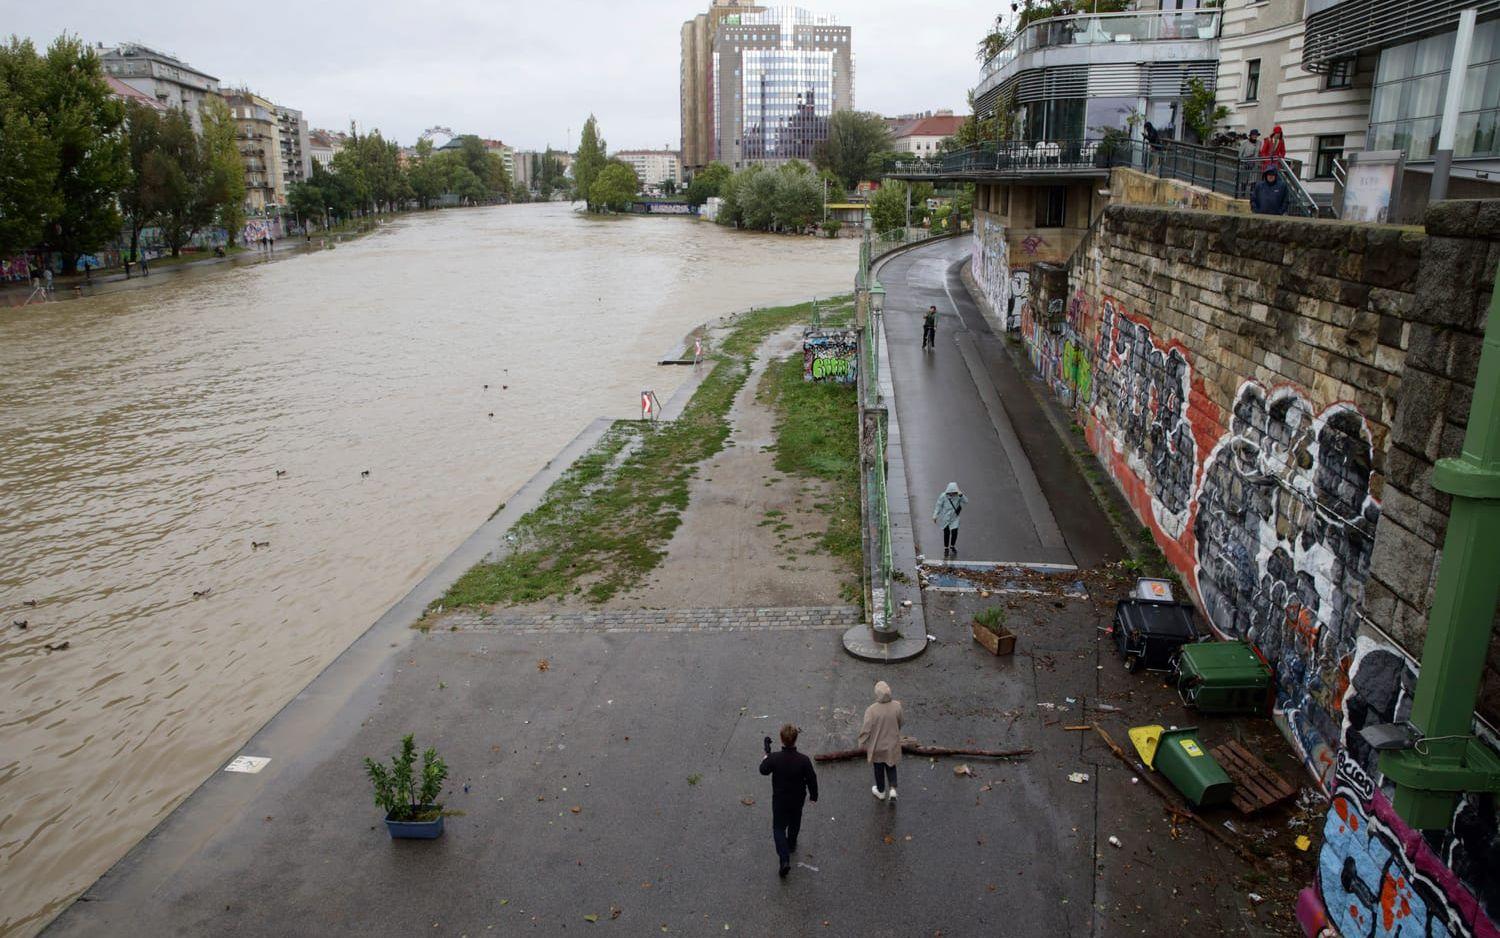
<point>950,505</point>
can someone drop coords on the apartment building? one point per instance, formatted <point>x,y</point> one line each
<point>260,148</point>
<point>653,167</point>
<point>161,77</point>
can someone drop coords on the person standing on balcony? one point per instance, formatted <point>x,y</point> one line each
<point>1249,154</point>
<point>1270,196</point>
<point>1153,142</point>
<point>1273,151</point>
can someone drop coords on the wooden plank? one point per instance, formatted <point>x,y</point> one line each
<point>1256,785</point>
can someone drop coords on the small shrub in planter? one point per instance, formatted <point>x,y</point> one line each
<point>409,799</point>
<point>990,631</point>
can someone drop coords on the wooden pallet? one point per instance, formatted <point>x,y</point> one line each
<point>1256,785</point>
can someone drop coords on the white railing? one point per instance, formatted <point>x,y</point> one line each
<point>1090,28</point>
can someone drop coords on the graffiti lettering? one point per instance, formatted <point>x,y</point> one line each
<point>990,262</point>
<point>1140,395</point>
<point>1285,527</point>
<point>1031,243</point>
<point>829,356</point>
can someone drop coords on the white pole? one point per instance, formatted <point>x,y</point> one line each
<point>1458,68</point>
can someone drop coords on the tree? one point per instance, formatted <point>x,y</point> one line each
<point>179,178</point>
<point>223,166</point>
<point>1201,111</point>
<point>1002,124</point>
<point>856,141</point>
<point>888,206</point>
<point>307,201</point>
<point>589,161</point>
<point>707,182</point>
<point>28,158</point>
<point>787,198</point>
<point>139,198</point>
<point>66,100</point>
<point>614,188</point>
<point>798,197</point>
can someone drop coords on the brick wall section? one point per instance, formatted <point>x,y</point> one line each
<point>1445,326</point>
<point>1271,396</point>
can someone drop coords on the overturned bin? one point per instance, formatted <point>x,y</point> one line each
<point>1180,756</point>
<point>1223,677</point>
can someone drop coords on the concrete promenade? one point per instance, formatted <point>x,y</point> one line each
<point>604,764</point>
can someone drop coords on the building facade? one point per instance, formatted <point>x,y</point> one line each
<point>1073,77</point>
<point>296,148</point>
<point>778,76</point>
<point>322,145</point>
<point>696,81</point>
<point>161,77</point>
<point>260,149</point>
<point>1263,83</point>
<point>653,167</point>
<point>1404,50</point>
<point>921,135</point>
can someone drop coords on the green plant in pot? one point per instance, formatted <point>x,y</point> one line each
<point>408,797</point>
<point>990,631</point>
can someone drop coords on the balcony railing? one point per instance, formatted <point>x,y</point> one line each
<point>1094,28</point>
<point>1218,170</point>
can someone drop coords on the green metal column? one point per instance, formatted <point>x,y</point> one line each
<point>1448,760</point>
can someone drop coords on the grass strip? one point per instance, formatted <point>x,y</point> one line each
<point>604,525</point>
<point>817,436</point>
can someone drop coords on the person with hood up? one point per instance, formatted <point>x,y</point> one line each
<point>950,505</point>
<point>792,779</point>
<point>1269,196</point>
<point>1273,150</point>
<point>880,738</point>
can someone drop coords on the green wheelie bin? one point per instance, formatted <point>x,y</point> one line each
<point>1180,756</point>
<point>1223,677</point>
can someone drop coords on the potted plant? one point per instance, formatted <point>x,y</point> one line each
<point>409,801</point>
<point>990,631</point>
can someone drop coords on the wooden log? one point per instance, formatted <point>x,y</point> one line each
<point>917,749</point>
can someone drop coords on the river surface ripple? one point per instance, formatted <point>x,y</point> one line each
<point>141,436</point>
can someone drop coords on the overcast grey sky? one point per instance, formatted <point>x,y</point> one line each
<point>527,73</point>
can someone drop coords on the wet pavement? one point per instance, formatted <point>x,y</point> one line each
<point>607,779</point>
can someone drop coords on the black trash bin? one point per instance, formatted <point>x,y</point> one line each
<point>1149,632</point>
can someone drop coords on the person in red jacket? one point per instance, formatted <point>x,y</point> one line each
<point>1272,150</point>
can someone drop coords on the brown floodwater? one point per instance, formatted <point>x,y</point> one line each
<point>144,435</point>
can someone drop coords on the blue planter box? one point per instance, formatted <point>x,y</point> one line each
<point>414,830</point>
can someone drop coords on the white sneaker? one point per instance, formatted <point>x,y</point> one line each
<point>877,793</point>
<point>891,794</point>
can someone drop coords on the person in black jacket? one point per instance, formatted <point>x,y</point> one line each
<point>1270,196</point>
<point>792,779</point>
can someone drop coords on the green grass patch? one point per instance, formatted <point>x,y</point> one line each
<point>817,436</point>
<point>604,525</point>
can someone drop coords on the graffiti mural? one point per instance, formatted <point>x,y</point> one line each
<point>1020,296</point>
<point>990,263</point>
<point>1140,395</point>
<point>830,356</point>
<point>1285,528</point>
<point>1377,876</point>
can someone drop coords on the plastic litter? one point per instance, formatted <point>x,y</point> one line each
<point>1303,842</point>
<point>1115,841</point>
<point>1078,777</point>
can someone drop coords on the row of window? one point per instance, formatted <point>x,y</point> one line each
<point>1340,75</point>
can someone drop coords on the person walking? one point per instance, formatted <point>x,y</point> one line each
<point>47,285</point>
<point>1270,196</point>
<point>880,738</point>
<point>792,779</point>
<point>141,260</point>
<point>950,505</point>
<point>929,328</point>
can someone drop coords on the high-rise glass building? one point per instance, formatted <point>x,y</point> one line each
<point>778,74</point>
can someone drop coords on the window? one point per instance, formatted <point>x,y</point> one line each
<point>1051,206</point>
<point>1340,75</point>
<point>1330,149</point>
<point>1252,80</point>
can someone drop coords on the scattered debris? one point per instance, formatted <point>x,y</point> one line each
<point>963,770</point>
<point>199,594</point>
<point>576,809</point>
<point>1115,841</point>
<point>1078,777</point>
<point>60,646</point>
<point>1256,898</point>
<point>747,802</point>
<point>543,665</point>
<point>1074,729</point>
<point>806,866</point>
<point>695,778</point>
<point>1303,842</point>
<point>21,623</point>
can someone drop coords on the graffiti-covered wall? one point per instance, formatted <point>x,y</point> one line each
<point>830,356</point>
<point>1270,395</point>
<point>991,263</point>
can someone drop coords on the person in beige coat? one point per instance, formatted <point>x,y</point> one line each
<point>880,738</point>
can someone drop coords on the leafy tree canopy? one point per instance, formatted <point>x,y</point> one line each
<point>856,142</point>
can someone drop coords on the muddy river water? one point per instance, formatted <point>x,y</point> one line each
<point>330,405</point>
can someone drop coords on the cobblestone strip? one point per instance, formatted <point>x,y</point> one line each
<point>780,618</point>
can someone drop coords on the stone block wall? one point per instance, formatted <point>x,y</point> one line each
<point>1270,394</point>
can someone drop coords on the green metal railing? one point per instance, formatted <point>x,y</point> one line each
<point>881,512</point>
